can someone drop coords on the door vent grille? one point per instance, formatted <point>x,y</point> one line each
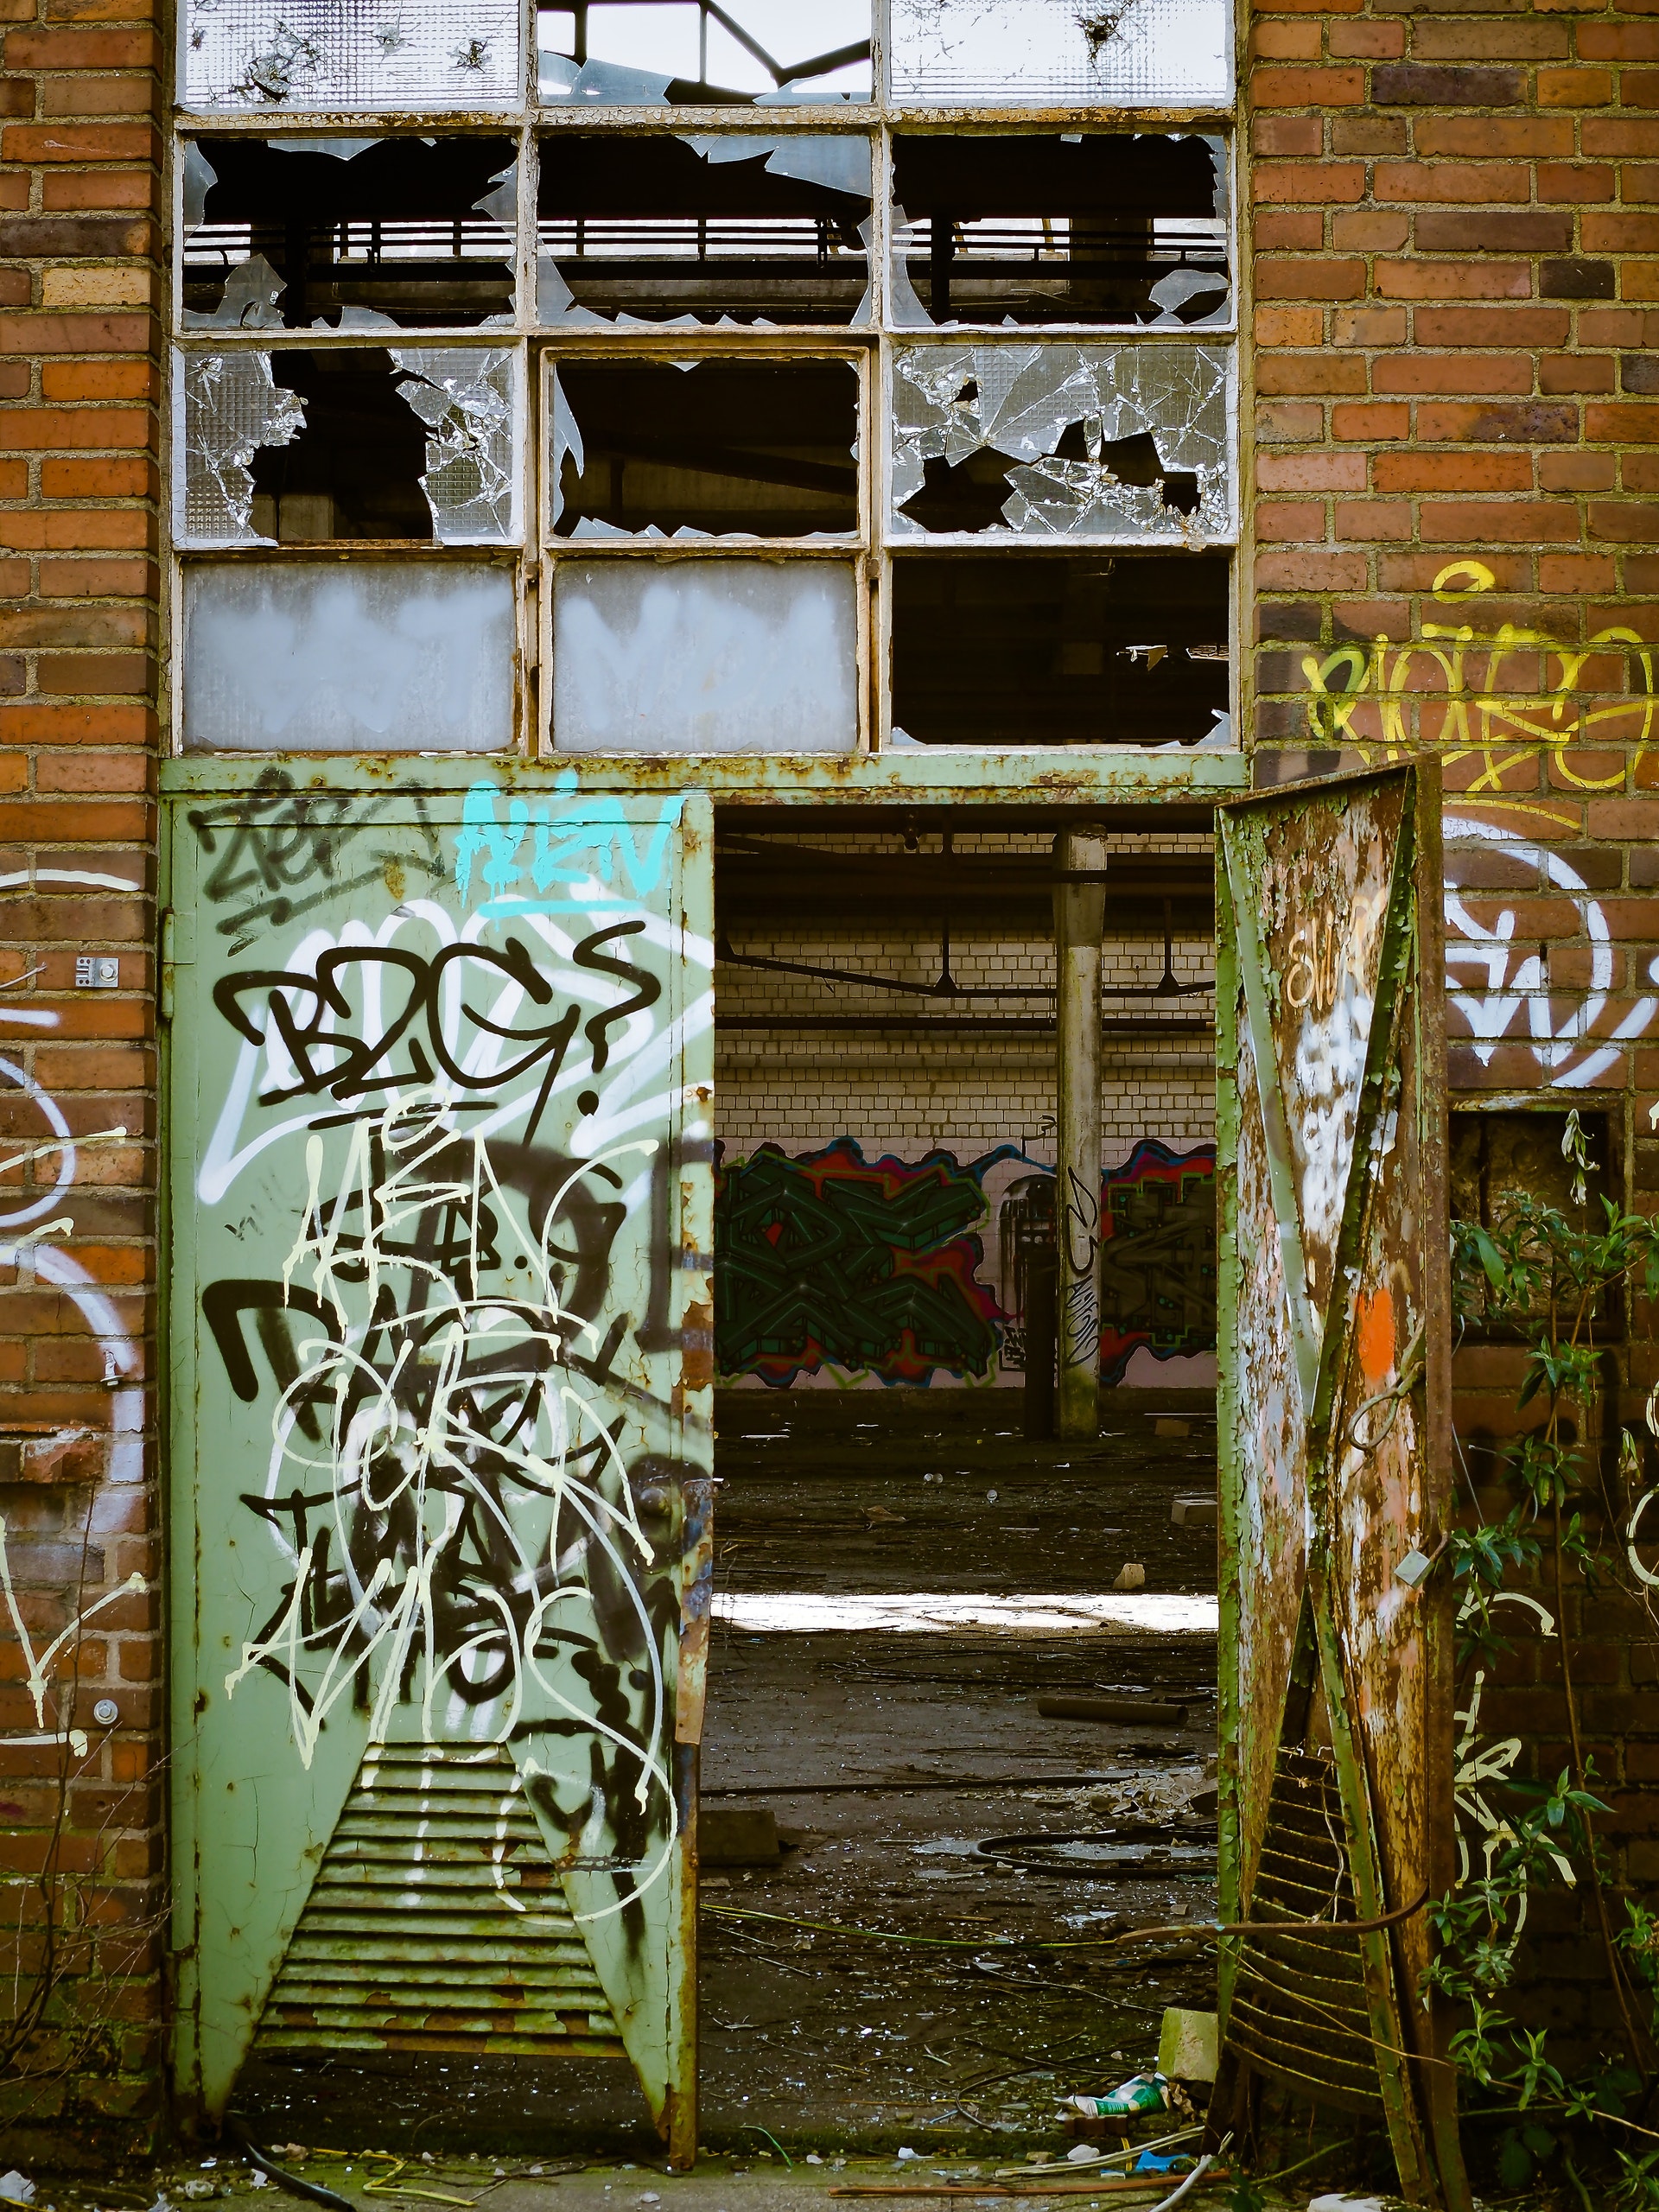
<point>438,1922</point>
<point>1297,2009</point>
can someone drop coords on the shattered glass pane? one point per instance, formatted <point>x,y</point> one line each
<point>1130,443</point>
<point>701,448</point>
<point>1131,649</point>
<point>1102,228</point>
<point>705,657</point>
<point>320,54</point>
<point>466,394</point>
<point>349,233</point>
<point>644,53</point>
<point>1124,53</point>
<point>383,656</point>
<point>233,408</point>
<point>727,227</point>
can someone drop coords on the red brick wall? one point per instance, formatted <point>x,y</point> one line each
<point>79,448</point>
<point>1454,208</point>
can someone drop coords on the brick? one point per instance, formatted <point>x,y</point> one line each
<point>1281,227</point>
<point>1306,279</point>
<point>1369,134</point>
<point>1287,87</point>
<point>1514,38</point>
<point>1626,523</point>
<point>129,478</point>
<point>1452,472</point>
<point>1515,328</point>
<point>1533,137</point>
<point>73,333</point>
<point>1367,327</point>
<point>1370,520</point>
<point>1288,326</point>
<point>99,428</point>
<point>1491,230</point>
<point>1311,472</point>
<point>1480,184</point>
<point>80,141</point>
<point>1322,184</point>
<point>1416,84</point>
<point>1574,183</point>
<point>72,380</point>
<point>1575,372</point>
<point>1298,135</point>
<point>1518,522</point>
<point>1607,41</point>
<point>1365,230</point>
<point>1366,41</point>
<point>1619,424</point>
<point>1278,40</point>
<point>135,48</point>
<point>1574,87</point>
<point>1367,423</point>
<point>1577,280</point>
<point>1529,423</point>
<point>1298,520</point>
<point>1304,571</point>
<point>1454,280</point>
<point>1303,373</point>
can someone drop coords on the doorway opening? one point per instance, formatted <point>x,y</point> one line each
<point>962,1680</point>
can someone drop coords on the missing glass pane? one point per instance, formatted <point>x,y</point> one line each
<point>1126,53</point>
<point>1002,650</point>
<point>684,449</point>
<point>705,657</point>
<point>715,228</point>
<point>354,233</point>
<point>314,446</point>
<point>1103,441</point>
<point>382,656</point>
<point>315,54</point>
<point>1101,229</point>
<point>633,53</point>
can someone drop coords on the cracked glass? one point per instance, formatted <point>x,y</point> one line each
<point>1126,53</point>
<point>337,233</point>
<point>718,227</point>
<point>258,54</point>
<point>647,53</point>
<point>375,656</point>
<point>234,409</point>
<point>1128,442</point>
<point>1106,227</point>
<point>465,395</point>
<point>705,657</point>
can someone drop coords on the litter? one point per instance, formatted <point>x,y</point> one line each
<point>1141,2093</point>
<point>16,2188</point>
<point>1334,2201</point>
<point>1131,1576</point>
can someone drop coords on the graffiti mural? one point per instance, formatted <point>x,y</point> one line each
<point>446,1331</point>
<point>871,1266</point>
<point>828,1264</point>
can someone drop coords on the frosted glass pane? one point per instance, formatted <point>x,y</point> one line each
<point>1144,54</point>
<point>377,656</point>
<point>288,55</point>
<point>705,657</point>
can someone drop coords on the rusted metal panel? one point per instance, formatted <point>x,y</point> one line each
<point>440,1087</point>
<point>1334,1427</point>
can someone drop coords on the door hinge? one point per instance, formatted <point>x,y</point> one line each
<point>178,950</point>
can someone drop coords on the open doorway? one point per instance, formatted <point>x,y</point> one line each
<point>962,1683</point>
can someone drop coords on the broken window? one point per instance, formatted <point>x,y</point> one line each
<point>308,446</point>
<point>382,656</point>
<point>705,657</point>
<point>349,233</point>
<point>1123,54</point>
<point>255,54</point>
<point>1100,229</point>
<point>635,53</point>
<point>1113,441</point>
<point>1003,651</point>
<point>693,448</point>
<point>713,228</point>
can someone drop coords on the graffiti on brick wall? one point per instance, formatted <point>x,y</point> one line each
<point>914,1272</point>
<point>1490,700</point>
<point>829,1259</point>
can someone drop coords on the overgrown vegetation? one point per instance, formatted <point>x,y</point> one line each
<point>1545,1277</point>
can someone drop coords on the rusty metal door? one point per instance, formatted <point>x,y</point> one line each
<point>1336,1450</point>
<point>440,1075</point>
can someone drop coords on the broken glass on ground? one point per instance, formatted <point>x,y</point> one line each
<point>234,412</point>
<point>711,448</point>
<point>1017,650</point>
<point>349,233</point>
<point>383,656</point>
<point>705,657</point>
<point>1097,228</point>
<point>1106,442</point>
<point>719,227</point>
<point>254,54</point>
<point>1124,53</point>
<point>647,53</point>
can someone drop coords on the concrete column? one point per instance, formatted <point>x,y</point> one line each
<point>1079,912</point>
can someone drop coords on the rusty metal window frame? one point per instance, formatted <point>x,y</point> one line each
<point>871,345</point>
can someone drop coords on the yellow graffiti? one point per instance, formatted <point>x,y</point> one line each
<point>1505,697</point>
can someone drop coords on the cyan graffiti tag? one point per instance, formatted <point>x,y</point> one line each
<point>564,848</point>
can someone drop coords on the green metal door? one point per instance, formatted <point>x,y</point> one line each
<point>440,1086</point>
<point>1335,1434</point>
